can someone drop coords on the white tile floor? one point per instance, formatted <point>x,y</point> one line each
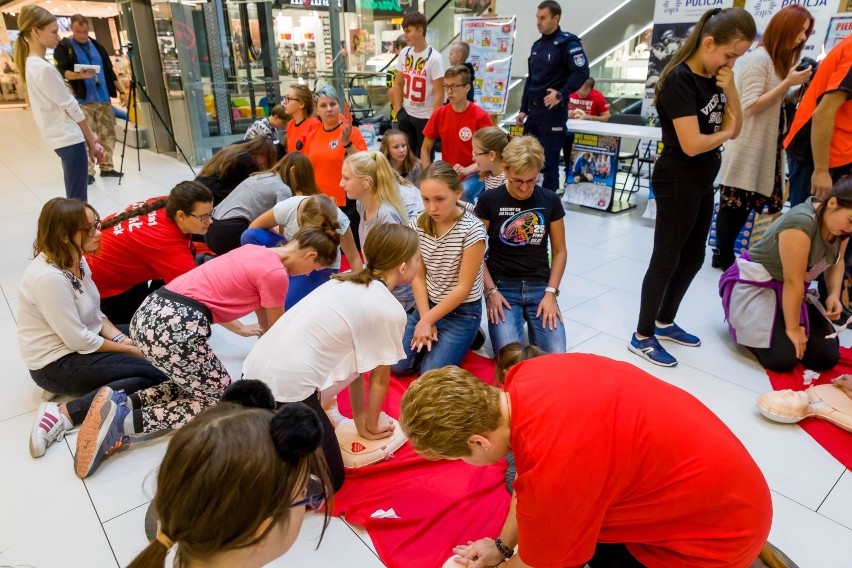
<point>49,518</point>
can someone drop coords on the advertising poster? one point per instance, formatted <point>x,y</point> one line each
<point>838,28</point>
<point>492,41</point>
<point>673,21</point>
<point>594,163</point>
<point>821,10</point>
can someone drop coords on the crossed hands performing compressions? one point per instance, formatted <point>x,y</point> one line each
<point>384,429</point>
<point>480,554</point>
<point>548,309</point>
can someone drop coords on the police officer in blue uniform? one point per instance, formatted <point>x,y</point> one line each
<point>557,68</point>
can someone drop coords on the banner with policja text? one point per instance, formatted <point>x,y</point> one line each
<point>821,10</point>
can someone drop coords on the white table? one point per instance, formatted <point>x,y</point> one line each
<point>650,133</point>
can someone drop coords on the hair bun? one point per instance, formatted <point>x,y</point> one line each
<point>249,393</point>
<point>296,431</point>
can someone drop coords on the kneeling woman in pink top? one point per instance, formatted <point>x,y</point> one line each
<point>172,327</point>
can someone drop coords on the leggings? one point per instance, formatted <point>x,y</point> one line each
<point>330,445</point>
<point>224,236</point>
<point>684,214</point>
<point>119,309</point>
<point>821,354</point>
<point>172,331</point>
<point>613,556</point>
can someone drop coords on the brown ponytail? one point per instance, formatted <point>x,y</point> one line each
<point>325,240</point>
<point>387,246</point>
<point>183,197</point>
<point>512,354</point>
<point>30,18</point>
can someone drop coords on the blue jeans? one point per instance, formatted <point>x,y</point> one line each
<point>472,186</point>
<point>800,180</point>
<point>456,332</point>
<point>524,296</point>
<point>75,168</point>
<point>300,286</point>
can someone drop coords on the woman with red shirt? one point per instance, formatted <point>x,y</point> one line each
<point>148,242</point>
<point>328,146</point>
<point>299,103</point>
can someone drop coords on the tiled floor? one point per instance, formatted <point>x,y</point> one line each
<point>49,518</point>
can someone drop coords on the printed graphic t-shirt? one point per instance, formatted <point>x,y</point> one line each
<point>419,69</point>
<point>519,232</point>
<point>456,129</point>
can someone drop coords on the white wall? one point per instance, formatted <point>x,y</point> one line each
<point>576,17</point>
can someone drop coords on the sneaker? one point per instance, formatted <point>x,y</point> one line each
<point>651,350</point>
<point>90,180</point>
<point>676,334</point>
<point>101,433</point>
<point>50,425</point>
<point>561,190</point>
<point>478,341</point>
<point>111,174</point>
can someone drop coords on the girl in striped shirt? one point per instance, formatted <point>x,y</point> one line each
<point>448,287</point>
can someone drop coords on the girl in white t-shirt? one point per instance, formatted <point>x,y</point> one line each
<point>345,328</point>
<point>448,287</point>
<point>297,213</point>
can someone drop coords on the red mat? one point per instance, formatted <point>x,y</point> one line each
<point>836,441</point>
<point>440,504</point>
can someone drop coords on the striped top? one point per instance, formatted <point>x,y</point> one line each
<point>493,182</point>
<point>442,257</point>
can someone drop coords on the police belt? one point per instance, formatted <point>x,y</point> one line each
<point>539,103</point>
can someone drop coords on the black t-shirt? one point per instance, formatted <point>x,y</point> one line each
<point>222,186</point>
<point>519,232</point>
<point>686,94</point>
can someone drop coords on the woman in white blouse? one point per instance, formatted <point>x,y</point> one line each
<point>68,345</point>
<point>55,110</point>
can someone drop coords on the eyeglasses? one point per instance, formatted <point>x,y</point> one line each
<point>293,99</point>
<point>315,496</point>
<point>475,153</point>
<point>203,218</point>
<point>93,229</point>
<point>522,182</point>
<point>452,88</point>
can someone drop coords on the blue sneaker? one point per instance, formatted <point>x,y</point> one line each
<point>101,433</point>
<point>651,350</point>
<point>676,334</point>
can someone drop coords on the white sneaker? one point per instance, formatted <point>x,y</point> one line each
<point>50,425</point>
<point>47,395</point>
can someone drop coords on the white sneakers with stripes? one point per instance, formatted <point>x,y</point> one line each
<point>50,425</point>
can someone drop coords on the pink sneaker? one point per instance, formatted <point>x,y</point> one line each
<point>50,425</point>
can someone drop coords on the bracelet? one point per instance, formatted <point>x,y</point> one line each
<point>491,291</point>
<point>119,338</point>
<point>347,146</point>
<point>504,550</point>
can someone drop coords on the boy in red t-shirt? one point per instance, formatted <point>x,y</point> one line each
<point>455,123</point>
<point>611,463</point>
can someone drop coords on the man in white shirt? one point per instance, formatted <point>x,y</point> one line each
<point>419,85</point>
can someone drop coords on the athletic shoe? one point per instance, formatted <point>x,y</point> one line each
<point>101,434</point>
<point>46,395</point>
<point>111,174</point>
<point>676,334</point>
<point>50,425</point>
<point>651,350</point>
<point>561,191</point>
<point>478,341</point>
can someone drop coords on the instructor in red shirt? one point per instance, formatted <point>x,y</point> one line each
<point>614,467</point>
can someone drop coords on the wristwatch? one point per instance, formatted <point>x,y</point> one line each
<point>552,290</point>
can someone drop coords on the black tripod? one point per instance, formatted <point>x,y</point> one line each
<point>131,104</point>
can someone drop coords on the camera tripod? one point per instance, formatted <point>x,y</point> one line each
<point>132,100</point>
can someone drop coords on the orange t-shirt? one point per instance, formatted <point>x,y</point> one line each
<point>833,74</point>
<point>607,453</point>
<point>296,133</point>
<point>326,153</point>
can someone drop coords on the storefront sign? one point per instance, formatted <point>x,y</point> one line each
<point>314,3</point>
<point>838,28</point>
<point>492,41</point>
<point>594,163</point>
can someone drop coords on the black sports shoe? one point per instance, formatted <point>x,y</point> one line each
<point>479,340</point>
<point>91,180</point>
<point>111,174</point>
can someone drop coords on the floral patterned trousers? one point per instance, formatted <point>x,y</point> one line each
<point>173,335</point>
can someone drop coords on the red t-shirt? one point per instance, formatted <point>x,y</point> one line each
<point>833,74</point>
<point>607,453</point>
<point>326,153</point>
<point>236,283</point>
<point>147,247</point>
<point>455,129</point>
<point>299,132</point>
<point>594,105</point>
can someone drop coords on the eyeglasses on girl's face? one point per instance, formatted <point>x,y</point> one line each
<point>315,495</point>
<point>203,218</point>
<point>92,230</point>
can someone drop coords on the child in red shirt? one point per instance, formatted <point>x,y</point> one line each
<point>455,124</point>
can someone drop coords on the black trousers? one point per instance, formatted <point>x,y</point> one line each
<point>548,125</point>
<point>821,354</point>
<point>684,194</point>
<point>224,236</point>
<point>613,556</point>
<point>413,128</point>
<point>330,446</point>
<point>729,222</point>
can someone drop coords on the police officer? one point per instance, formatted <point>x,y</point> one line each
<point>557,68</point>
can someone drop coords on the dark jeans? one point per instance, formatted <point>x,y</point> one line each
<point>413,129</point>
<point>119,309</point>
<point>821,354</point>
<point>83,375</point>
<point>75,169</point>
<point>549,127</point>
<point>330,445</point>
<point>684,214</point>
<point>613,556</point>
<point>800,180</point>
<point>224,236</point>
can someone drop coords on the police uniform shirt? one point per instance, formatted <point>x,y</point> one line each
<point>557,62</point>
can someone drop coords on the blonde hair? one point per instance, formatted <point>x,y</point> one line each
<point>387,246</point>
<point>492,139</point>
<point>442,172</point>
<point>445,407</point>
<point>30,18</point>
<point>375,166</point>
<point>522,154</point>
<point>318,211</point>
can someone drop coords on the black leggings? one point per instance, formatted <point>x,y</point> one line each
<point>119,309</point>
<point>684,214</point>
<point>821,354</point>
<point>729,223</point>
<point>224,236</point>
<point>330,446</point>
<point>613,556</point>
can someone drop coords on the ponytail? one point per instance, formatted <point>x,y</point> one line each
<point>325,240</point>
<point>30,18</point>
<point>182,197</point>
<point>387,246</point>
<point>375,165</point>
<point>723,26</point>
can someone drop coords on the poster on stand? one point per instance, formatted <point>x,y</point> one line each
<point>838,28</point>
<point>821,10</point>
<point>673,21</point>
<point>491,41</point>
<point>594,163</point>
